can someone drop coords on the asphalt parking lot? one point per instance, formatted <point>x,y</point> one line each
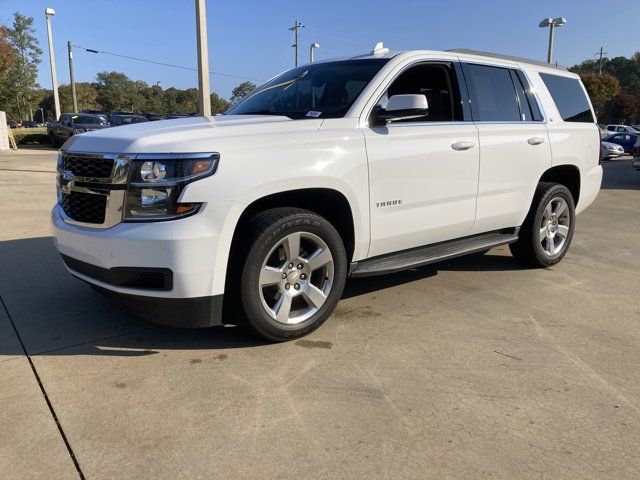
<point>476,368</point>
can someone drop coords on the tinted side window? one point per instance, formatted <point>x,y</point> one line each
<point>437,82</point>
<point>493,98</point>
<point>569,97</point>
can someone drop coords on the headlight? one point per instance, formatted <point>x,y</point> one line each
<point>157,180</point>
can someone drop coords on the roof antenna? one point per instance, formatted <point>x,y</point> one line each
<point>379,49</point>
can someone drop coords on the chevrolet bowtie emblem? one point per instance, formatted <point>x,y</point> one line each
<point>67,181</point>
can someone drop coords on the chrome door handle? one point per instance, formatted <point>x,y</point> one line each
<point>535,141</point>
<point>462,145</point>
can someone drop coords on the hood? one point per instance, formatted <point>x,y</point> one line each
<point>192,134</point>
<point>611,145</point>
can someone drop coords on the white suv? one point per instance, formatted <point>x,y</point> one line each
<point>352,167</point>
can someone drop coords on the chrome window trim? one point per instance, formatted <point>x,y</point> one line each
<point>119,177</point>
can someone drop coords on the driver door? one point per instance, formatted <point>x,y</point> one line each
<point>423,172</point>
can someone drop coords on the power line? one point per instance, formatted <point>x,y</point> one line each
<point>93,50</point>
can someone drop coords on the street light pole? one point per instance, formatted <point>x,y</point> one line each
<point>552,23</point>
<point>204,84</point>
<point>49,12</point>
<point>72,79</point>
<point>311,49</point>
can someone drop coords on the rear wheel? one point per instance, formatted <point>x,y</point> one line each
<point>293,274</point>
<point>547,231</point>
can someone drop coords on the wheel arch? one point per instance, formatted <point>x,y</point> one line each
<point>327,202</point>
<point>567,175</point>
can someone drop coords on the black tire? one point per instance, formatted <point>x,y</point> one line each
<point>268,230</point>
<point>529,248</point>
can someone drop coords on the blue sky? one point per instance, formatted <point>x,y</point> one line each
<point>252,39</point>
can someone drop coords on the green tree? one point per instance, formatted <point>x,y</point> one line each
<point>241,91</point>
<point>218,104</point>
<point>116,92</point>
<point>623,108</point>
<point>17,92</point>
<point>601,89</point>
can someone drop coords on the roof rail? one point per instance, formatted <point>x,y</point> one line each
<point>506,57</point>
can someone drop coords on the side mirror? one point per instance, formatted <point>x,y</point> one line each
<point>401,107</point>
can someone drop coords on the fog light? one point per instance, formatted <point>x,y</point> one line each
<point>153,171</point>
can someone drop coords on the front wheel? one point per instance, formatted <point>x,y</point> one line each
<point>547,231</point>
<point>293,274</point>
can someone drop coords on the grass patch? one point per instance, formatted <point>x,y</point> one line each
<point>31,136</point>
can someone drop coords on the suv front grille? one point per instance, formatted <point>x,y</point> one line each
<point>94,166</point>
<point>84,207</point>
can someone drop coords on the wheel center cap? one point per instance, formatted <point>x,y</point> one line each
<point>293,276</point>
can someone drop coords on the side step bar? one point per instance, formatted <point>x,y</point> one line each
<point>417,257</point>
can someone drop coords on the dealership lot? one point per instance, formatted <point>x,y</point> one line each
<point>476,368</point>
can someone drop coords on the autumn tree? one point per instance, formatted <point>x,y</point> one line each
<point>601,89</point>
<point>6,53</point>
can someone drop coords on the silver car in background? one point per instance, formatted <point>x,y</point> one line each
<point>610,150</point>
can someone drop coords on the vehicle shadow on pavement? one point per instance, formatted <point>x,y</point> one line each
<point>57,314</point>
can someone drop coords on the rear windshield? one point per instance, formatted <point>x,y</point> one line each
<point>569,97</point>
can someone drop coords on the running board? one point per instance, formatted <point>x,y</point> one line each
<point>438,252</point>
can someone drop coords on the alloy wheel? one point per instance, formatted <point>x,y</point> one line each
<point>296,277</point>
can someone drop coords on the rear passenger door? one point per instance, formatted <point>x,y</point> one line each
<point>514,144</point>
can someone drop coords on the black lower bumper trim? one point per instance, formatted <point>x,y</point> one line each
<point>129,277</point>
<point>196,312</point>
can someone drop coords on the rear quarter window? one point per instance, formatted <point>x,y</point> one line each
<point>569,97</point>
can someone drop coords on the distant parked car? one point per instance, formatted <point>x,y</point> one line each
<point>610,150</point>
<point>13,124</point>
<point>71,124</point>
<point>625,140</point>
<point>32,124</point>
<point>117,120</point>
<point>622,129</point>
<point>93,112</point>
<point>152,116</point>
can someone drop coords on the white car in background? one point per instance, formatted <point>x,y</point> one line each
<point>622,129</point>
<point>610,150</point>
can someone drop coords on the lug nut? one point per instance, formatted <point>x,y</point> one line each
<point>297,286</point>
<point>299,266</point>
<point>284,275</point>
<point>303,276</point>
<point>287,286</point>
<point>291,265</point>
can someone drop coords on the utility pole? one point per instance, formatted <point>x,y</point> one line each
<point>601,53</point>
<point>72,79</point>
<point>49,12</point>
<point>204,84</point>
<point>296,26</point>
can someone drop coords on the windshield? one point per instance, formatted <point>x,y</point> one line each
<point>325,90</point>
<point>89,119</point>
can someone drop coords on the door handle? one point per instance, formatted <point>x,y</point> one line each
<point>462,145</point>
<point>535,141</point>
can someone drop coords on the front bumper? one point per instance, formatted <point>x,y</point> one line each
<point>125,260</point>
